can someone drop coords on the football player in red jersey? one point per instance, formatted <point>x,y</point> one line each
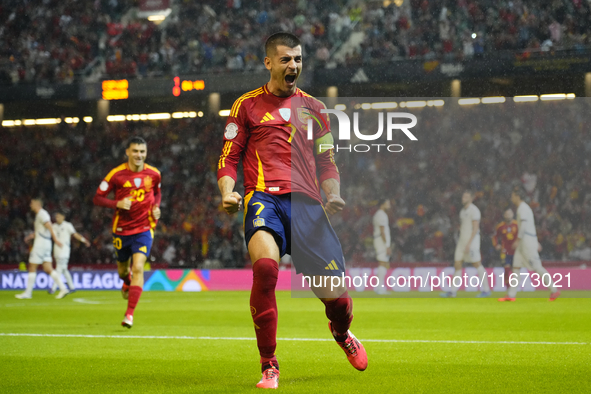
<point>283,212</point>
<point>503,240</point>
<point>137,210</point>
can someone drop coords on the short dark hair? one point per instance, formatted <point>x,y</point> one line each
<point>136,140</point>
<point>382,200</point>
<point>469,191</point>
<point>519,191</point>
<point>38,198</point>
<point>281,38</point>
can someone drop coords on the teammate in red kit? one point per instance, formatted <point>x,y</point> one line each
<point>283,210</point>
<point>504,240</point>
<point>137,210</point>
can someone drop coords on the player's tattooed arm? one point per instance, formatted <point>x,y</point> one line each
<point>332,190</point>
<point>231,200</point>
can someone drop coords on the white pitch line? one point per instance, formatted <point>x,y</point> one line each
<point>288,339</point>
<point>85,301</point>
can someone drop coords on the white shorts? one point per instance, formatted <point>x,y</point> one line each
<point>62,262</point>
<point>41,252</point>
<point>473,255</point>
<point>526,255</point>
<point>381,250</point>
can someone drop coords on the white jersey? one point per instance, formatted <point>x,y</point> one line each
<point>42,232</point>
<point>380,218</point>
<point>467,216</point>
<point>525,222</point>
<point>64,233</point>
<point>41,252</point>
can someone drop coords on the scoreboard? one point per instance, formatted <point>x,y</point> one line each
<point>120,89</point>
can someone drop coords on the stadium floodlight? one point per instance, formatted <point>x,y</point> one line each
<point>47,121</point>
<point>178,115</point>
<point>115,118</point>
<point>469,101</point>
<point>416,104</point>
<point>200,114</point>
<point>8,123</point>
<point>29,122</point>
<point>555,96</point>
<point>570,96</point>
<point>160,116</point>
<point>340,107</point>
<point>385,105</point>
<point>524,99</point>
<point>224,112</point>
<point>192,114</point>
<point>87,119</point>
<point>435,103</point>
<point>366,106</point>
<point>493,100</point>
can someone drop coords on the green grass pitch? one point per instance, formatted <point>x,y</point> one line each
<point>546,349</point>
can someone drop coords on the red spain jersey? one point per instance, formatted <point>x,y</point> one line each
<point>270,134</point>
<point>506,234</point>
<point>142,188</point>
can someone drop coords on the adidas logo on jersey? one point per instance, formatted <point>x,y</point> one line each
<point>332,266</point>
<point>127,184</point>
<point>267,117</point>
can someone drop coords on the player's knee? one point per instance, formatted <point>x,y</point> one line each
<point>137,269</point>
<point>265,274</point>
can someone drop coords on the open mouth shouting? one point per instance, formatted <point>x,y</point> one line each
<point>290,79</point>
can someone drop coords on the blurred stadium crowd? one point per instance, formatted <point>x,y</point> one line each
<point>486,148</point>
<point>61,40</point>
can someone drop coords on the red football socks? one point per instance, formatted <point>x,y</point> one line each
<point>134,296</point>
<point>340,312</point>
<point>263,306</point>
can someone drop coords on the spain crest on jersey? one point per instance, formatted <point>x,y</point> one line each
<point>148,182</point>
<point>303,115</point>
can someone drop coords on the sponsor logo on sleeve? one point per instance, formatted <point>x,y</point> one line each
<point>231,131</point>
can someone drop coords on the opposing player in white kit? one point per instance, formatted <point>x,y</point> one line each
<point>382,243</point>
<point>527,246</point>
<point>468,247</point>
<point>41,252</point>
<point>64,231</point>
